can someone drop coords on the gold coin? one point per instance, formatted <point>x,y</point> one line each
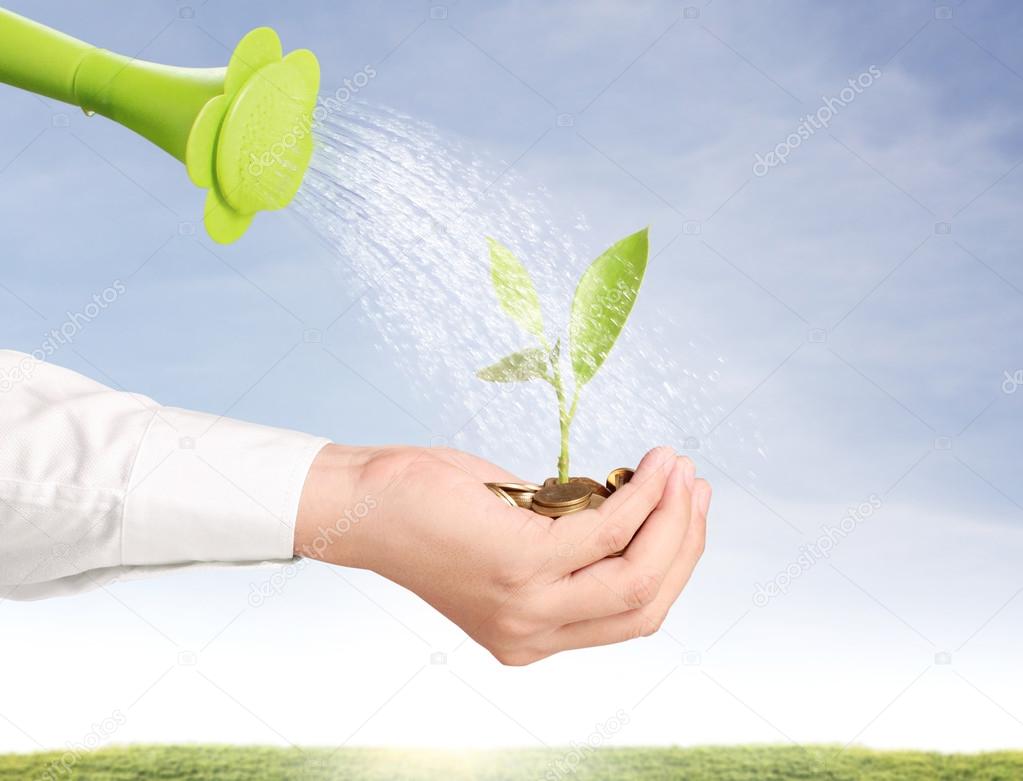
<point>593,485</point>
<point>514,488</point>
<point>500,493</point>
<point>556,500</point>
<point>591,503</point>
<point>587,481</point>
<point>619,477</point>
<point>521,494</point>
<point>562,494</point>
<point>525,501</point>
<point>561,498</point>
<point>557,512</point>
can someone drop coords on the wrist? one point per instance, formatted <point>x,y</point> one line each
<point>333,506</point>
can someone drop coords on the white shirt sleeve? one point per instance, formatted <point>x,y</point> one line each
<point>97,484</point>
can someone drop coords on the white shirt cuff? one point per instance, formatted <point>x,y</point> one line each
<point>211,489</point>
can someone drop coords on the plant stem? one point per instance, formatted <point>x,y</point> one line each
<point>566,423</point>
<point>564,415</point>
<point>563,456</point>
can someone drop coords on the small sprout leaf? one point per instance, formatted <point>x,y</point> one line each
<point>525,365</point>
<point>515,290</point>
<point>603,301</point>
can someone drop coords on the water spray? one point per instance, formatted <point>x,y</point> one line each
<point>244,131</point>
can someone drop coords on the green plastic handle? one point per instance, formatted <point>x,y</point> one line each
<point>36,58</point>
<point>159,102</point>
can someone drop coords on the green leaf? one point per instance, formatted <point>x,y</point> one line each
<point>514,288</point>
<point>528,364</point>
<point>603,301</point>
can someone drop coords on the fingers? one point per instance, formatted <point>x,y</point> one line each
<point>646,620</point>
<point>594,534</point>
<point>614,585</point>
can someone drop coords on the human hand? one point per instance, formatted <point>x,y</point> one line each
<point>522,585</point>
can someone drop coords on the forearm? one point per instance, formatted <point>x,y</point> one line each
<point>333,507</point>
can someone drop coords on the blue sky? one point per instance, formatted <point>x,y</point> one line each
<point>866,296</point>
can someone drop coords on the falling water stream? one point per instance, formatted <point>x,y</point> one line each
<point>407,210</point>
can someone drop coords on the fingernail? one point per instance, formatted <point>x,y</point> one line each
<point>667,458</point>
<point>703,501</point>
<point>689,473</point>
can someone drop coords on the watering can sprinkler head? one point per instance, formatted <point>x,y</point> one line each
<point>251,144</point>
<point>244,132</point>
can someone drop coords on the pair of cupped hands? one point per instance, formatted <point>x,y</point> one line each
<point>522,585</point>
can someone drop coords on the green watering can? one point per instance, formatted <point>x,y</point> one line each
<point>244,132</point>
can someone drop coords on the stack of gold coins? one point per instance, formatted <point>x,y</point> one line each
<point>595,488</point>
<point>554,499</point>
<point>561,499</point>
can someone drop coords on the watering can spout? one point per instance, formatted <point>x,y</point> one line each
<point>244,131</point>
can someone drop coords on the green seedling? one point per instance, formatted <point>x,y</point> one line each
<point>602,303</point>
